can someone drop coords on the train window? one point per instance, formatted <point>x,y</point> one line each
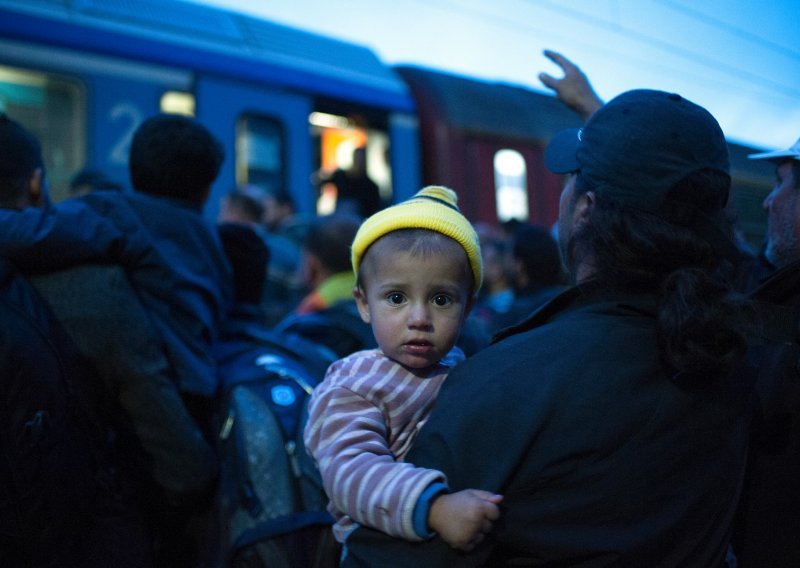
<point>259,152</point>
<point>53,109</point>
<point>511,188</point>
<point>177,102</point>
<point>338,137</point>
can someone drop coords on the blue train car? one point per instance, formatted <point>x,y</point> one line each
<point>288,105</point>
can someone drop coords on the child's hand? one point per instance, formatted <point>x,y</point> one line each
<point>464,518</point>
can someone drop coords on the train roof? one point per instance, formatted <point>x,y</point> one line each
<point>203,38</point>
<point>489,108</point>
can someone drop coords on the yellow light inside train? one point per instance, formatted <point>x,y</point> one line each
<point>176,102</point>
<point>18,77</point>
<point>326,120</point>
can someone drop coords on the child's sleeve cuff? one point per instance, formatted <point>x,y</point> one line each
<point>423,507</point>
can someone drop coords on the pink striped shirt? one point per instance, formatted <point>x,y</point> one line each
<point>362,420</point>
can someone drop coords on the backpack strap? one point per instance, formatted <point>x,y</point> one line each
<point>281,526</point>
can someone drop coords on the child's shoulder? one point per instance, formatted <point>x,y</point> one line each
<point>354,368</point>
<point>356,363</point>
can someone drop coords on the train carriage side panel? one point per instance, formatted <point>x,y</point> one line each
<point>405,155</point>
<point>206,45</point>
<point>223,105</point>
<point>465,123</point>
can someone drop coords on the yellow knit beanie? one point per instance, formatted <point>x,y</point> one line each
<point>434,208</point>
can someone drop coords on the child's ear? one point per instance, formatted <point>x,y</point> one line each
<point>361,303</point>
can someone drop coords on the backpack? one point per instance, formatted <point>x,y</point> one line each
<point>272,505</point>
<point>52,451</point>
<point>339,328</point>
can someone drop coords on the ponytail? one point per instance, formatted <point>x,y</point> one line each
<point>700,323</point>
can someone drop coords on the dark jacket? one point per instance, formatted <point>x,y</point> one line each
<point>767,525</point>
<point>602,456</point>
<point>171,253</point>
<point>63,499</point>
<point>105,319</point>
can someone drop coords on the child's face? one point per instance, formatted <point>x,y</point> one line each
<point>416,305</point>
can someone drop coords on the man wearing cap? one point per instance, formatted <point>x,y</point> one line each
<point>609,420</point>
<point>766,528</point>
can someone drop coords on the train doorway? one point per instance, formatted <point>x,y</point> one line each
<point>348,147</point>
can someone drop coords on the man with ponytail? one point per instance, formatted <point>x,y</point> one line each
<point>614,420</point>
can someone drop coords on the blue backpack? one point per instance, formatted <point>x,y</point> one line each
<point>272,504</point>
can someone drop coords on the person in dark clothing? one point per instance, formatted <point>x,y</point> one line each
<point>355,191</point>
<point>282,289</point>
<point>537,274</point>
<point>611,419</point>
<point>67,497</point>
<point>157,233</point>
<point>130,321</point>
<point>766,532</point>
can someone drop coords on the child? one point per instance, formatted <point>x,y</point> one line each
<point>418,267</point>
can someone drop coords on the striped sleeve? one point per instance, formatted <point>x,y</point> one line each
<point>347,436</point>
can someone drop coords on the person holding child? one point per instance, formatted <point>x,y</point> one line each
<point>614,420</point>
<point>418,267</point>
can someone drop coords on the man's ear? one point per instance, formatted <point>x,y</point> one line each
<point>35,196</point>
<point>361,302</point>
<point>584,206</point>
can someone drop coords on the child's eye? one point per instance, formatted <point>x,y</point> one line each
<point>395,298</point>
<point>442,300</point>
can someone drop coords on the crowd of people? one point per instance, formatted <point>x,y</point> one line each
<point>620,389</point>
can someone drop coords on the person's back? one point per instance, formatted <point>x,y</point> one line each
<point>157,233</point>
<point>610,420</point>
<point>140,365</point>
<point>282,288</point>
<point>356,192</point>
<point>63,500</point>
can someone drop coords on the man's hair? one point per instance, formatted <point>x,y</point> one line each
<point>174,156</point>
<point>699,321</point>
<point>416,242</point>
<point>537,250</point>
<point>796,172</point>
<point>247,202</point>
<point>329,237</point>
<point>249,258</point>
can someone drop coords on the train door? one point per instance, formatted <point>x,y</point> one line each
<point>265,134</point>
<point>349,147</point>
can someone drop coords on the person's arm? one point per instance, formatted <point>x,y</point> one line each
<point>58,237</point>
<point>347,437</point>
<point>574,88</point>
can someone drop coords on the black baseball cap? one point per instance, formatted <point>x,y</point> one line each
<point>636,147</point>
<point>20,153</point>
